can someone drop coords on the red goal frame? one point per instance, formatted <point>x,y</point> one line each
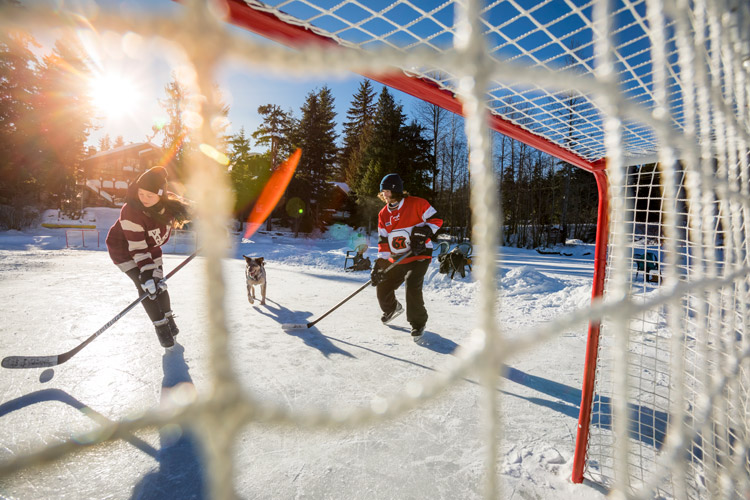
<point>273,28</point>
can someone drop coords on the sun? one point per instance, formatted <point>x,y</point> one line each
<point>114,95</point>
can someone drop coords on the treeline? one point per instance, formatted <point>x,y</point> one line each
<point>544,201</point>
<point>46,119</point>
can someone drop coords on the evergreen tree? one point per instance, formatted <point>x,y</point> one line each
<point>381,154</point>
<point>105,143</point>
<point>357,132</point>
<point>119,142</point>
<point>65,115</point>
<point>316,135</point>
<point>273,132</point>
<point>248,173</point>
<point>175,134</point>
<point>415,160</point>
<point>392,147</point>
<point>19,142</point>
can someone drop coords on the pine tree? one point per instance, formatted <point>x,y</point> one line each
<point>316,135</point>
<point>65,118</point>
<point>357,132</point>
<point>19,138</point>
<point>415,160</point>
<point>175,134</point>
<point>248,173</point>
<point>273,132</point>
<point>381,154</point>
<point>391,146</point>
<point>119,142</point>
<point>105,143</point>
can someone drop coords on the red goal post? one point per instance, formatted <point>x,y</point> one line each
<point>658,88</point>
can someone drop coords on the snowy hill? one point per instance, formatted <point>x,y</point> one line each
<point>54,297</point>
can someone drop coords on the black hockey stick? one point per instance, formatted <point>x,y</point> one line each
<point>302,326</point>
<point>48,361</point>
<point>269,197</point>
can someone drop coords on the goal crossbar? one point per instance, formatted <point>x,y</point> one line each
<point>645,219</point>
<point>271,25</point>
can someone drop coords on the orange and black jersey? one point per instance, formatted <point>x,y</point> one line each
<point>396,224</point>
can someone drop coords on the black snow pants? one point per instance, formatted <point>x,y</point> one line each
<point>413,274</point>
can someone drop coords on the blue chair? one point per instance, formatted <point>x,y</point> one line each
<point>646,264</point>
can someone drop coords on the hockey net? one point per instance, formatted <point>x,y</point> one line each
<point>611,87</point>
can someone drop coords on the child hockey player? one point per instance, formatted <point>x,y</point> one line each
<point>134,244</point>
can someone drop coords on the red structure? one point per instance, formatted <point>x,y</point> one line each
<point>270,26</point>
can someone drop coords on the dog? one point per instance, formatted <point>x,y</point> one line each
<point>255,274</point>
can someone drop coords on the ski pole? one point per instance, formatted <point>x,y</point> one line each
<point>303,326</point>
<point>48,361</point>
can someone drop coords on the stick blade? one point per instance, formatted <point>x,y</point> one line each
<point>30,361</point>
<point>295,326</point>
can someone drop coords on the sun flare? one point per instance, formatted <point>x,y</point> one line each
<point>114,95</point>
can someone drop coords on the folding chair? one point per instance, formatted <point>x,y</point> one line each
<point>442,248</point>
<point>357,256</point>
<point>465,248</point>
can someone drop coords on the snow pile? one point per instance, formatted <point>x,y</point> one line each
<point>524,281</point>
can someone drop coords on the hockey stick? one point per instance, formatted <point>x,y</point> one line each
<point>267,200</point>
<point>303,326</point>
<point>48,361</point>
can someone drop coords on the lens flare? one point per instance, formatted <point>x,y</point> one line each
<point>272,193</point>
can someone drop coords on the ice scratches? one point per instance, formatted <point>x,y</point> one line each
<point>522,462</point>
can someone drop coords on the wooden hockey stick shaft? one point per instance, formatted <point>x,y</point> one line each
<point>302,326</point>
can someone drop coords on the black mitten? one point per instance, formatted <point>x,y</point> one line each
<point>378,271</point>
<point>419,237</point>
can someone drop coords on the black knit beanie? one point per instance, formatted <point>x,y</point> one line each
<point>393,183</point>
<point>154,180</point>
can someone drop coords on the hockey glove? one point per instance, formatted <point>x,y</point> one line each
<point>148,284</point>
<point>378,271</point>
<point>419,237</point>
<point>161,286</point>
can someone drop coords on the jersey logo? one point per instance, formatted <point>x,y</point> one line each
<point>158,238</point>
<point>398,243</point>
<point>398,240</point>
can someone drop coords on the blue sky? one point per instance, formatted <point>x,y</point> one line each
<point>513,35</point>
<point>244,87</point>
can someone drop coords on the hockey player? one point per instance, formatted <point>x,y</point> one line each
<point>406,223</point>
<point>134,244</point>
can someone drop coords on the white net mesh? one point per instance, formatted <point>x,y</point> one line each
<point>632,82</point>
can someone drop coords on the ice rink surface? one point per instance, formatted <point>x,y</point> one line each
<point>54,298</point>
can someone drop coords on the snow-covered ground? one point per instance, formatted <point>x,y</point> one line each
<point>54,297</point>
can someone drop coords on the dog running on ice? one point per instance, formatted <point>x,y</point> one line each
<point>255,274</point>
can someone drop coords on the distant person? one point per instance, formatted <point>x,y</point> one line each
<point>134,244</point>
<point>406,223</point>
